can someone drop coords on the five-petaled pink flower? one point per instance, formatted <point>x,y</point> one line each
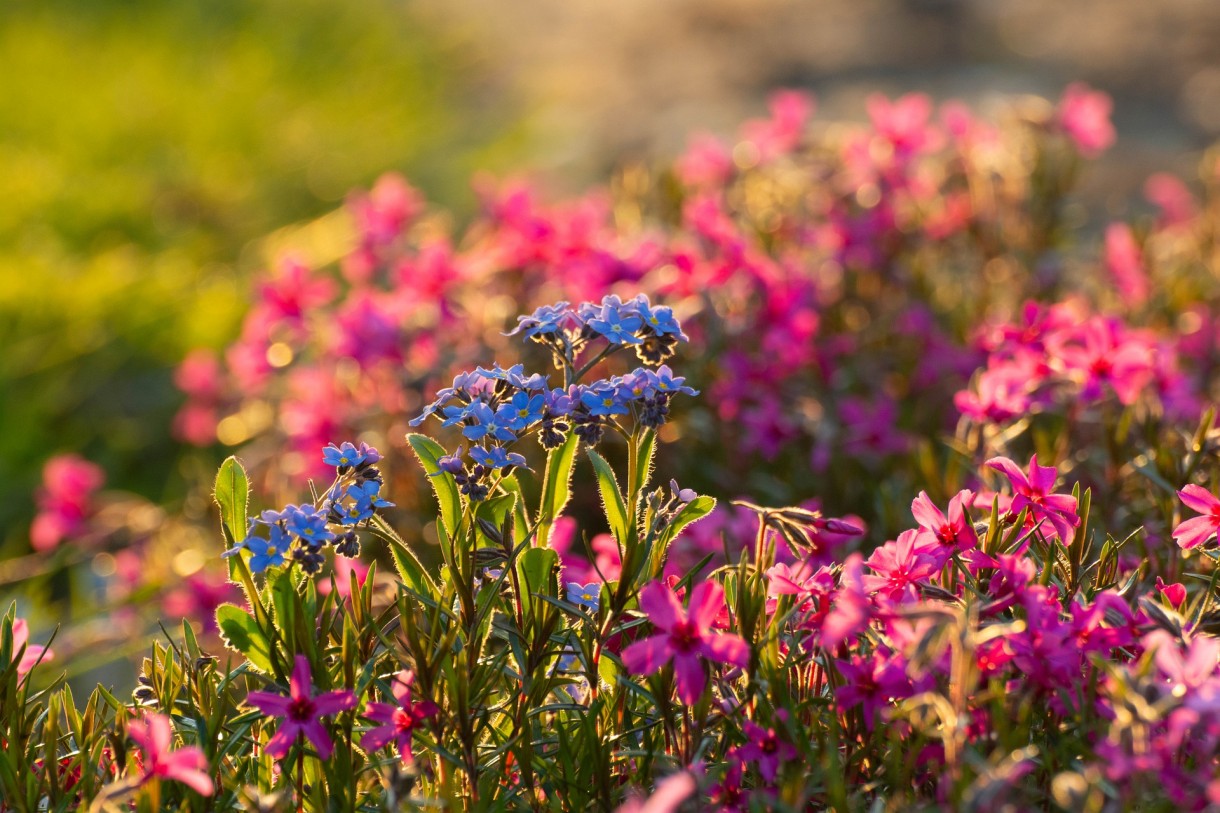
<point>1194,532</point>
<point>33,654</point>
<point>765,748</point>
<point>302,711</point>
<point>952,533</point>
<point>187,765</point>
<point>1034,491</point>
<point>398,720</point>
<point>686,640</point>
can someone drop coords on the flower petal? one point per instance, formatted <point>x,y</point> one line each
<point>647,656</point>
<point>706,602</point>
<point>661,606</point>
<point>727,648</point>
<point>691,679</point>
<point>268,703</point>
<point>1194,497</point>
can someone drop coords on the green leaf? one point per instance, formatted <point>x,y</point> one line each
<point>693,511</point>
<point>644,455</point>
<point>232,495</point>
<point>242,634</point>
<point>536,568</point>
<point>521,527</point>
<point>612,498</point>
<point>429,453</point>
<point>409,567</point>
<point>494,510</point>
<point>556,487</point>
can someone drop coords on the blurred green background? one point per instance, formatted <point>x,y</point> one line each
<point>145,147</point>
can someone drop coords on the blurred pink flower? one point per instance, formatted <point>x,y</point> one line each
<point>187,765</point>
<point>1084,116</point>
<point>33,655</point>
<point>65,501</point>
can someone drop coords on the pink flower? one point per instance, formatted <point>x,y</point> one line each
<point>1125,262</point>
<point>1034,491</point>
<point>33,654</point>
<point>686,640</point>
<point>1084,116</point>
<point>952,533</point>
<point>900,565</point>
<point>302,711</point>
<point>850,610</point>
<point>187,765</point>
<point>1174,593</point>
<point>1177,204</point>
<point>65,501</point>
<point>671,792</point>
<point>1194,532</point>
<point>766,749</point>
<point>398,720</point>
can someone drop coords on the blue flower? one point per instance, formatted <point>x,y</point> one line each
<point>267,552</point>
<point>585,595</point>
<point>368,496</point>
<point>547,320</point>
<point>669,384</point>
<point>308,523</point>
<point>521,411</point>
<point>637,385</point>
<point>617,326</point>
<point>345,455</point>
<point>602,399</point>
<point>662,322</point>
<point>496,457</point>
<point>449,464</point>
<point>484,424</point>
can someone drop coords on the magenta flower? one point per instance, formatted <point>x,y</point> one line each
<point>33,654</point>
<point>686,640</point>
<point>187,765</point>
<point>899,566</point>
<point>398,720</point>
<point>1084,116</point>
<point>302,711</point>
<point>1194,532</point>
<point>668,797</point>
<point>952,533</point>
<point>1034,491</point>
<point>766,749</point>
<point>850,610</point>
<point>65,502</point>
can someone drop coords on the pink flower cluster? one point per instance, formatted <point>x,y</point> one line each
<point>791,253</point>
<point>1062,356</point>
<point>65,501</point>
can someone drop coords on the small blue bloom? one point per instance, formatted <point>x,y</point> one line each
<point>521,411</point>
<point>267,552</point>
<point>547,320</point>
<point>345,455</point>
<point>617,327</point>
<point>308,523</point>
<point>669,384</point>
<point>368,494</point>
<point>602,399</point>
<point>638,385</point>
<point>456,414</point>
<point>496,457</point>
<point>483,423</point>
<point>450,464</point>
<point>585,595</point>
<point>662,322</point>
